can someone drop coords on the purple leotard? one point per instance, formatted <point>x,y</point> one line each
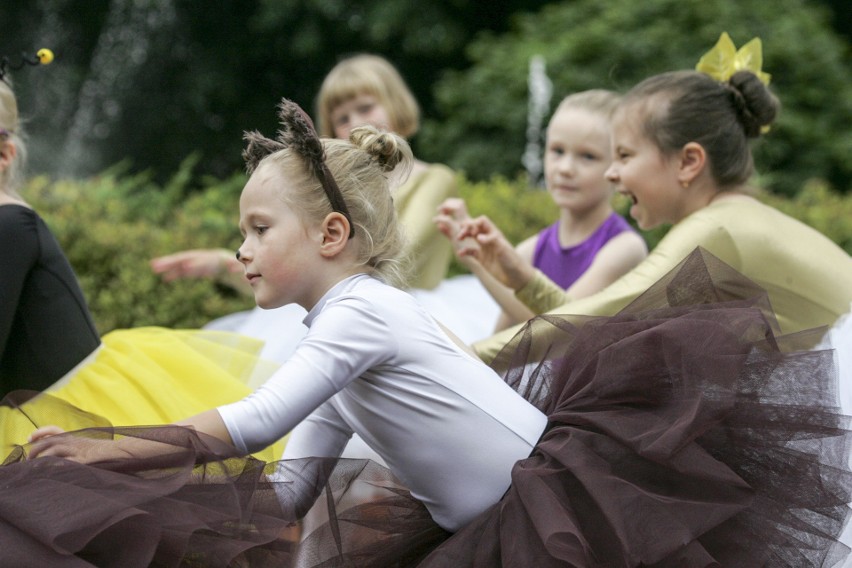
<point>565,265</point>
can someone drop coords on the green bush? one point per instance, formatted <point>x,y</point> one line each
<point>591,44</point>
<point>111,225</point>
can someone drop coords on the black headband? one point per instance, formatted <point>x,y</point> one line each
<point>298,134</point>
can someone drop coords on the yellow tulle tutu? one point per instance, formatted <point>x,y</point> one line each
<point>147,376</point>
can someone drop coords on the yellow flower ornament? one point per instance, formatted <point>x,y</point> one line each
<point>724,59</point>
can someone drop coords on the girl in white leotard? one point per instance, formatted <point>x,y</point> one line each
<point>322,232</point>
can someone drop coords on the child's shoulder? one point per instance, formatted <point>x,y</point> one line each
<point>14,216</point>
<point>367,302</point>
<point>15,209</point>
<point>441,170</point>
<point>366,289</point>
<point>432,175</point>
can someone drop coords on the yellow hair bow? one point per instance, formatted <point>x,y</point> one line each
<point>724,59</point>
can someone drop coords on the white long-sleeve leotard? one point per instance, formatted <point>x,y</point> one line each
<point>376,364</point>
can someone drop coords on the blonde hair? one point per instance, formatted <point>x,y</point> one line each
<point>371,75</point>
<point>360,167</point>
<point>599,101</point>
<point>11,178</point>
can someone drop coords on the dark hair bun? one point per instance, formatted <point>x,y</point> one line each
<point>756,105</point>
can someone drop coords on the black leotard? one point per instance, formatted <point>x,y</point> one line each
<point>45,325</point>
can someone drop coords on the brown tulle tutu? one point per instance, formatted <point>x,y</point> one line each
<point>684,431</point>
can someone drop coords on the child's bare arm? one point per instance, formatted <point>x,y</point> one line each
<point>615,259</point>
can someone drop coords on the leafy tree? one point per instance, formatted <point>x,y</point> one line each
<point>152,81</point>
<point>591,44</point>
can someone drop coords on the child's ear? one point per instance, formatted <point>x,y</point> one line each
<point>335,234</point>
<point>693,158</point>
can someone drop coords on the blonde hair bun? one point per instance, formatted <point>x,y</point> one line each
<point>388,149</point>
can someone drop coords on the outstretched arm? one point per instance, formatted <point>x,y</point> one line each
<point>513,267</point>
<point>346,340</point>
<point>219,264</point>
<point>481,240</point>
<point>452,213</point>
<point>615,259</point>
<point>700,230</point>
<point>53,441</point>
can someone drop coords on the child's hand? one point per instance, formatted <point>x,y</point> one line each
<point>494,252</point>
<point>54,441</point>
<point>195,263</point>
<point>451,214</point>
<point>44,432</point>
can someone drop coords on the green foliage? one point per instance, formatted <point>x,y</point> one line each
<point>156,80</point>
<point>591,44</point>
<point>112,225</point>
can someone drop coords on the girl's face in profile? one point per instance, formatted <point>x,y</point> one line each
<point>641,172</point>
<point>359,110</point>
<point>280,254</point>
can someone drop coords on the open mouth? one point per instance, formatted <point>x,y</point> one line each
<point>629,195</point>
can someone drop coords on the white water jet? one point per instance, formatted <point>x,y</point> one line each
<point>540,92</point>
<point>119,55</point>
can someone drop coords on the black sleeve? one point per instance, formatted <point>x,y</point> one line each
<point>18,253</point>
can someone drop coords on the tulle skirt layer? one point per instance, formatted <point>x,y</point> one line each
<point>197,504</point>
<point>685,431</point>
<point>149,376</point>
<point>682,432</point>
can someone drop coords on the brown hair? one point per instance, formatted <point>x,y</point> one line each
<point>687,106</point>
<point>372,75</point>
